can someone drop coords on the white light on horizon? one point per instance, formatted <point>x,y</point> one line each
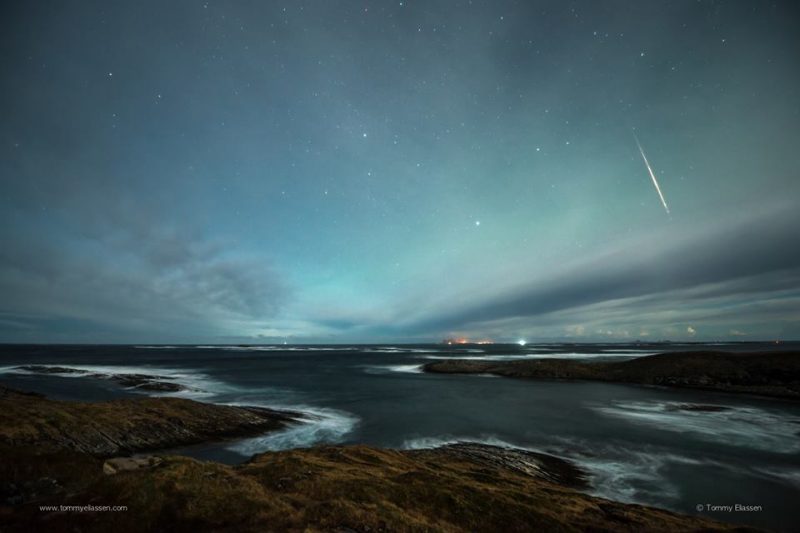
<point>522,342</point>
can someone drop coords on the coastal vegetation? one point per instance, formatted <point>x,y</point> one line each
<point>58,453</point>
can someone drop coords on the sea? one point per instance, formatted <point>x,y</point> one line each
<point>638,444</point>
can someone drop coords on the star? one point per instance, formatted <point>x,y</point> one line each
<point>477,222</point>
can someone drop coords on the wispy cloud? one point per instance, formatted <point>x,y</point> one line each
<point>676,272</point>
<point>129,274</point>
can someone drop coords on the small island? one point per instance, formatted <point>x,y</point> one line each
<point>774,374</point>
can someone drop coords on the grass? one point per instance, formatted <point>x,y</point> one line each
<point>354,488</point>
<point>126,425</point>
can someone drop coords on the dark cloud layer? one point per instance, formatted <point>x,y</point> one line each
<point>761,255</point>
<point>126,275</point>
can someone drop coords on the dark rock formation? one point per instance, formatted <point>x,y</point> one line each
<point>134,381</point>
<point>145,382</point>
<point>125,464</point>
<point>123,426</point>
<point>535,464</point>
<point>44,369</point>
<point>774,374</point>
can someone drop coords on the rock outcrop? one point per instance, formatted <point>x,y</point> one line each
<point>775,374</point>
<point>118,427</point>
<point>125,464</point>
<point>144,382</point>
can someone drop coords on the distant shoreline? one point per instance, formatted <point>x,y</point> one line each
<point>429,343</point>
<point>772,374</point>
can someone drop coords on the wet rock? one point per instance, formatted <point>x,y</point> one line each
<point>145,382</point>
<point>124,464</point>
<point>43,369</point>
<point>535,464</point>
<point>135,381</point>
<point>125,426</point>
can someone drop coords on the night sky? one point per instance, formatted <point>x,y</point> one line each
<point>341,171</point>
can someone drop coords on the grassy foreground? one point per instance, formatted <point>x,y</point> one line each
<point>126,425</point>
<point>333,488</point>
<point>354,488</point>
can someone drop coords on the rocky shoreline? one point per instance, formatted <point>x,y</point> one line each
<point>774,374</point>
<point>124,426</point>
<point>143,382</point>
<point>535,464</point>
<point>57,453</point>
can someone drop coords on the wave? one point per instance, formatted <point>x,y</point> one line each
<point>317,426</point>
<point>424,443</point>
<point>748,427</point>
<point>196,384</point>
<point>278,348</point>
<point>408,369</point>
<point>638,476</point>
<point>617,471</point>
<point>159,347</point>
<point>385,369</point>
<point>631,476</point>
<point>614,471</point>
<point>399,349</point>
<point>624,479</point>
<point>790,476</point>
<point>631,351</point>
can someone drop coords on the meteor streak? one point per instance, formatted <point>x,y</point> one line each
<point>652,174</point>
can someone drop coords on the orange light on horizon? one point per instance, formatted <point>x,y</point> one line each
<point>465,340</point>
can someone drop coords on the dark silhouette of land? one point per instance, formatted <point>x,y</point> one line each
<point>775,374</point>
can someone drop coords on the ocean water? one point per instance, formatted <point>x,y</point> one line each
<point>635,442</point>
